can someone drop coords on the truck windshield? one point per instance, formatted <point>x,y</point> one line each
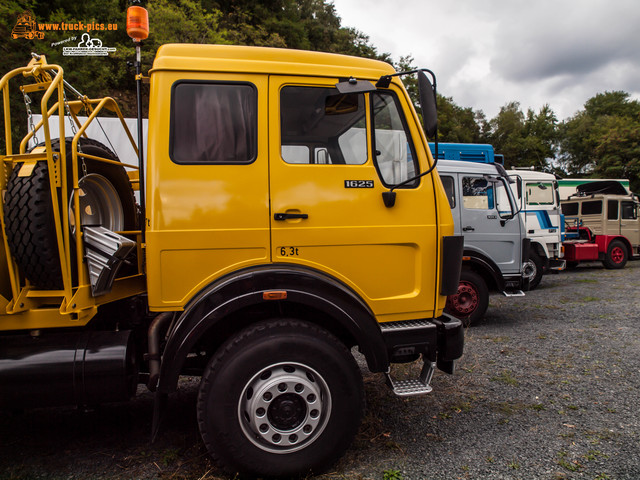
<point>539,193</point>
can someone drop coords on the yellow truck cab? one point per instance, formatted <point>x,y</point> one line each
<point>291,212</point>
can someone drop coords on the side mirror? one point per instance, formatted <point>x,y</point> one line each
<point>427,104</point>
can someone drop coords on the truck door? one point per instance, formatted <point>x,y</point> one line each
<point>483,202</point>
<point>331,157</point>
<point>629,222</point>
<point>612,221</point>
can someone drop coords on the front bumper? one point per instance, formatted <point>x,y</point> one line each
<point>439,340</point>
<point>557,264</point>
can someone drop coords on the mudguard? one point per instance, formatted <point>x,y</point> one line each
<point>249,288</point>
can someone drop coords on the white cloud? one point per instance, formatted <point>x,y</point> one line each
<point>486,54</point>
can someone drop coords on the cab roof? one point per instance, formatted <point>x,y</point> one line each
<point>462,166</point>
<point>532,175</point>
<point>265,60</point>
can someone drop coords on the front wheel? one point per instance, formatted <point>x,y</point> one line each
<point>281,398</point>
<point>471,300</point>
<point>538,270</point>
<point>616,256</point>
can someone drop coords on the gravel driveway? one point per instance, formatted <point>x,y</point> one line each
<point>547,389</point>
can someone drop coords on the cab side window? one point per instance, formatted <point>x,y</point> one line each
<point>213,123</point>
<point>321,126</point>
<point>394,153</point>
<point>570,208</point>
<point>612,209</point>
<point>477,193</point>
<point>629,211</point>
<point>593,207</point>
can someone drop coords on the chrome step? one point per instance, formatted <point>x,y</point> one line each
<point>515,293</point>
<point>419,386</point>
<point>105,252</point>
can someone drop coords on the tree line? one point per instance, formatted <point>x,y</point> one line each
<point>602,140</point>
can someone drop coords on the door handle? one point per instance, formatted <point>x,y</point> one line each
<point>290,216</point>
<point>468,229</point>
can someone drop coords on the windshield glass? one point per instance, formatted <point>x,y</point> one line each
<point>503,204</point>
<point>539,193</point>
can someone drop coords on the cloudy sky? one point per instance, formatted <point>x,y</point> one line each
<point>487,53</point>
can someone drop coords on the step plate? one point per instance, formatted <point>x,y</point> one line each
<point>406,388</point>
<point>516,293</point>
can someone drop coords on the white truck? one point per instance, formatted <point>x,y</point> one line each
<point>539,204</point>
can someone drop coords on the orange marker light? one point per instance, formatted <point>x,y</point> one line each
<point>275,295</point>
<point>137,23</point>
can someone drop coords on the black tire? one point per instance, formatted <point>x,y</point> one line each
<point>537,264</point>
<point>471,301</point>
<point>617,255</point>
<point>304,427</point>
<point>28,213</point>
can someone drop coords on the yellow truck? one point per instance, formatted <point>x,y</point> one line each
<point>289,213</point>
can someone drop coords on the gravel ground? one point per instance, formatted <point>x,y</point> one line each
<point>547,389</point>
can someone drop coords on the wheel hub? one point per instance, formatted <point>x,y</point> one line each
<point>99,204</point>
<point>617,255</point>
<point>465,301</point>
<point>287,411</point>
<point>284,407</point>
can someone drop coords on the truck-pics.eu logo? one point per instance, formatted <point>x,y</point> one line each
<point>26,27</point>
<point>88,47</point>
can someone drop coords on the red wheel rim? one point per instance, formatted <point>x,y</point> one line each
<point>617,255</point>
<point>465,301</point>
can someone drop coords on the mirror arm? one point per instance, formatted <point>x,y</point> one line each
<point>385,80</point>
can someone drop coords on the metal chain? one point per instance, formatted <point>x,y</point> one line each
<point>74,130</point>
<point>68,110</point>
<point>27,104</point>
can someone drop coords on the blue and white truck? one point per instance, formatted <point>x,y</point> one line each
<point>538,204</point>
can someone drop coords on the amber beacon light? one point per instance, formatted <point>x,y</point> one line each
<point>137,23</point>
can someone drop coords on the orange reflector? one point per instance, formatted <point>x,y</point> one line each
<point>137,23</point>
<point>275,295</point>
<point>466,258</point>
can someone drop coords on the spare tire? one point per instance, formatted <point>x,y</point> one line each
<point>28,211</point>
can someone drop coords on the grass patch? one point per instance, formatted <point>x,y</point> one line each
<point>391,474</point>
<point>566,464</point>
<point>590,299</point>
<point>507,378</point>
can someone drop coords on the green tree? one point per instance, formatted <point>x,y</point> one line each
<point>456,124</point>
<point>299,24</point>
<point>540,136</point>
<point>601,140</point>
<point>506,131</point>
<point>524,140</point>
<point>618,151</point>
